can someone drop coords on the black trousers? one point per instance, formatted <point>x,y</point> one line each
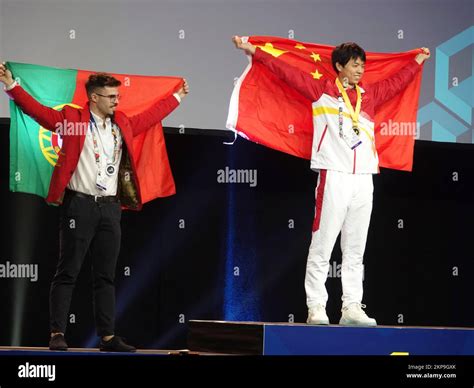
<point>86,225</point>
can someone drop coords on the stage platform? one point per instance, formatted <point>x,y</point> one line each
<point>363,355</point>
<point>270,338</point>
<point>44,351</point>
<point>261,338</point>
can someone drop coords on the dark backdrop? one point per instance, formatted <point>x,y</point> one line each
<point>235,252</point>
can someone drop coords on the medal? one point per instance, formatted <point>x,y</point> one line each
<point>354,113</point>
<point>110,169</point>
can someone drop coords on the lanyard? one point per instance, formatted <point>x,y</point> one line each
<point>96,146</point>
<point>354,113</point>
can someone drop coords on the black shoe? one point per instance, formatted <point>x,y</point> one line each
<point>57,342</point>
<point>116,344</point>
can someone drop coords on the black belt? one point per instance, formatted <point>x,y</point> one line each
<point>95,198</point>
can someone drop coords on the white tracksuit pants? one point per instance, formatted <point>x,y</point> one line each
<point>343,205</point>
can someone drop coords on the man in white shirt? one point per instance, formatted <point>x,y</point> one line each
<point>95,177</point>
<point>345,156</point>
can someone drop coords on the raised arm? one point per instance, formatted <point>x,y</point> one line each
<point>386,89</point>
<point>158,111</point>
<point>291,75</point>
<point>45,116</point>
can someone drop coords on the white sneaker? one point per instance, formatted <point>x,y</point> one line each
<point>317,316</point>
<point>353,315</point>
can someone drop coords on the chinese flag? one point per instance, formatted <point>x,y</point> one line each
<point>265,110</point>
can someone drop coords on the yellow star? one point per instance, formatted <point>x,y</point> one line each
<point>300,46</point>
<point>316,74</point>
<point>316,57</point>
<point>268,48</point>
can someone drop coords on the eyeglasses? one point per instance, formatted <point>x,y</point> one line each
<point>111,97</point>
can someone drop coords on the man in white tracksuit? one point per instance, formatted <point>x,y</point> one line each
<point>345,156</point>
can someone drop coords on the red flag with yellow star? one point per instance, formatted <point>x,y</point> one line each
<point>266,110</point>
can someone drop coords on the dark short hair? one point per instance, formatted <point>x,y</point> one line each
<point>345,52</point>
<point>100,80</point>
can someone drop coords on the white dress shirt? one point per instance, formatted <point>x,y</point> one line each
<point>85,176</point>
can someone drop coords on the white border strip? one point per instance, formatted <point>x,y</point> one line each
<point>233,114</point>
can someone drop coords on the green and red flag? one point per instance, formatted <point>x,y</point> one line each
<point>34,150</point>
<point>263,107</point>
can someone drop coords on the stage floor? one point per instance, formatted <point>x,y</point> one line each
<point>265,338</point>
<point>44,351</point>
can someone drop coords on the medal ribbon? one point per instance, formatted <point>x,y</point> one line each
<point>354,113</point>
<point>96,146</point>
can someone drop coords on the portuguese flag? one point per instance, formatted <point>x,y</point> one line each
<point>34,150</point>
